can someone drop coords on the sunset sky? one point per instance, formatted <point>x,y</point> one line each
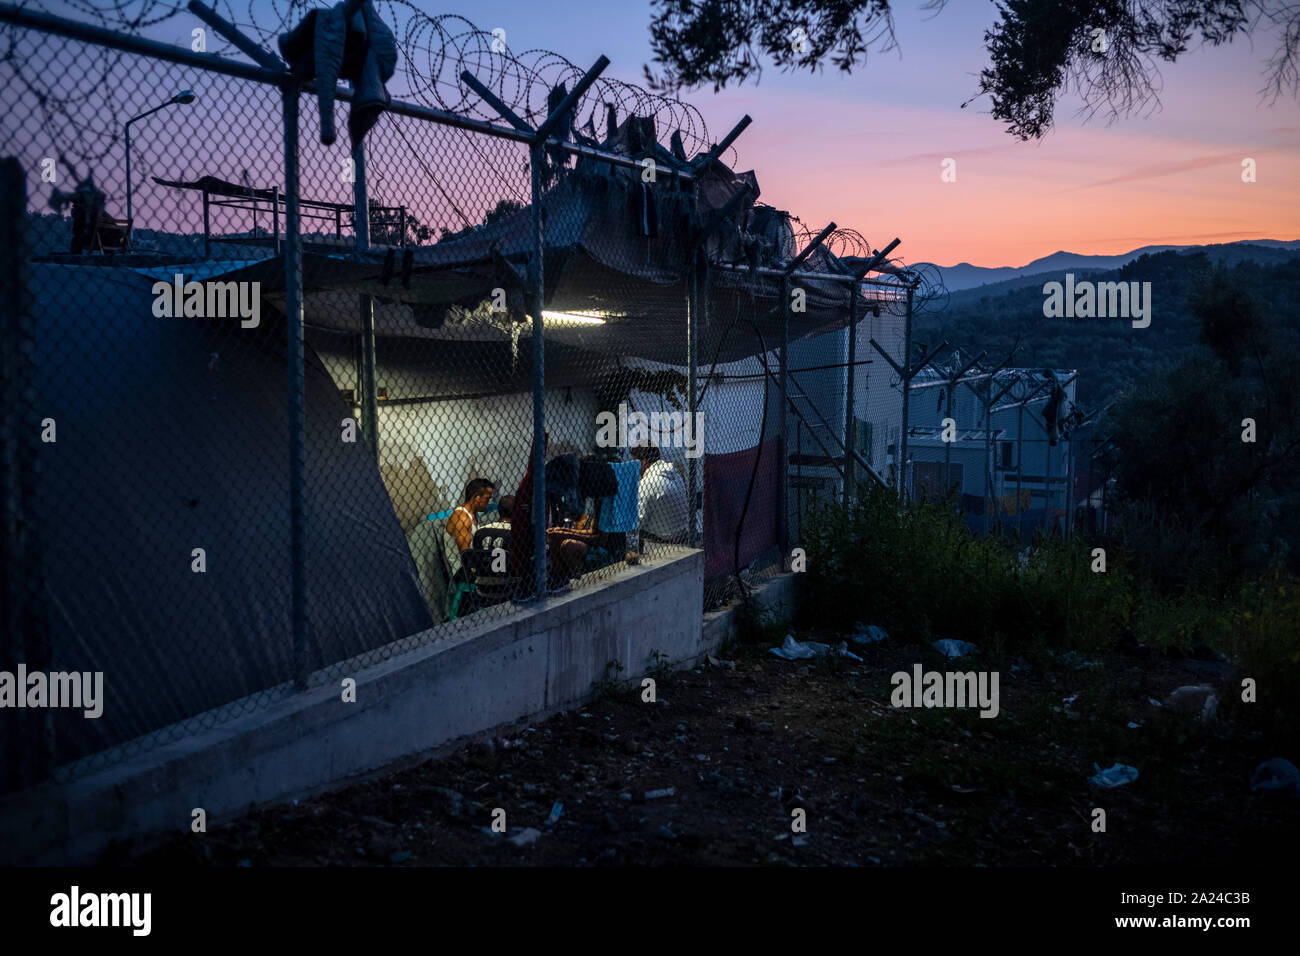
<point>865,150</point>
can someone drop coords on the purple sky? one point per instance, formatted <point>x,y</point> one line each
<point>866,150</point>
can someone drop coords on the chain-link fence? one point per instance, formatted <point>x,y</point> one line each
<point>295,385</point>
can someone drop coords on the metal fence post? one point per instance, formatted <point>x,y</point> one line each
<point>850,433</point>
<point>947,446</point>
<point>24,633</point>
<point>989,463</point>
<point>366,379</point>
<point>1020,458</point>
<point>1049,497</point>
<point>783,459</point>
<point>361,209</point>
<point>294,338</point>
<point>538,295</point>
<point>1069,488</point>
<point>907,388</point>
<point>692,359</point>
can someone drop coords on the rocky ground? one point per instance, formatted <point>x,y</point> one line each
<point>711,773</point>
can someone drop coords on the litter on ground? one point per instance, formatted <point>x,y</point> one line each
<point>950,647</point>
<point>1199,700</point>
<point>1115,775</point>
<point>525,837</point>
<point>1276,776</point>
<point>792,650</point>
<point>867,634</point>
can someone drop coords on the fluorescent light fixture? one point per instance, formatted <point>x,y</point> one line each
<point>571,318</point>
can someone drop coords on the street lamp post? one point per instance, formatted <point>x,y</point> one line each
<point>184,97</point>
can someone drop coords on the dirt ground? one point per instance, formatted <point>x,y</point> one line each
<point>710,773</point>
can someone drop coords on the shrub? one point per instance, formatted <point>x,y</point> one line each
<point>918,571</point>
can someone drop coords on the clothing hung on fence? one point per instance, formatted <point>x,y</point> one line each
<point>521,517</point>
<point>596,479</point>
<point>562,486</point>
<point>622,515</point>
<point>1052,413</point>
<point>645,210</point>
<point>328,45</point>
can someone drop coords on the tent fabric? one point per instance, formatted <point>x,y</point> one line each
<point>726,478</point>
<point>596,258</point>
<point>425,543</point>
<point>172,434</point>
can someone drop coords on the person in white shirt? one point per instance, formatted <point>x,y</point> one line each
<point>661,499</point>
<point>463,522</point>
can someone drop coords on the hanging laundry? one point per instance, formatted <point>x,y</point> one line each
<point>521,523</point>
<point>1052,411</point>
<point>328,45</point>
<point>556,157</point>
<point>596,478</point>
<point>624,513</point>
<point>647,211</point>
<point>562,496</point>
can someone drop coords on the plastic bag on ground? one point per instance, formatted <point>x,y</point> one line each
<point>949,647</point>
<point>1276,776</point>
<point>867,634</point>
<point>793,650</point>
<point>1115,775</point>
<point>525,837</point>
<point>1198,700</point>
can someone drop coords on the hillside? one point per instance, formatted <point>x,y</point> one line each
<point>1110,354</point>
<point>963,275</point>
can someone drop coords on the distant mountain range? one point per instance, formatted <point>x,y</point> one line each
<point>966,276</point>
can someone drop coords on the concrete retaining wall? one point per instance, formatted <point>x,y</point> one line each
<point>535,661</point>
<point>775,595</point>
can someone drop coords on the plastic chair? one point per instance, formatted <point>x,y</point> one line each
<point>462,588</point>
<point>484,586</point>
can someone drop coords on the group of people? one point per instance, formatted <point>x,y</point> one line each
<point>476,551</point>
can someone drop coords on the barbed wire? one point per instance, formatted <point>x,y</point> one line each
<point>433,52</point>
<point>930,294</point>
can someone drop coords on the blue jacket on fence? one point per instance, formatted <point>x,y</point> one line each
<point>328,45</point>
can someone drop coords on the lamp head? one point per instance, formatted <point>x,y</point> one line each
<point>184,97</point>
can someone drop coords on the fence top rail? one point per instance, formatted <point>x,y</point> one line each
<point>801,274</point>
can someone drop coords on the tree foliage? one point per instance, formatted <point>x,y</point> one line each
<point>1110,355</point>
<point>1106,51</point>
<point>714,41</point>
<point>1187,479</point>
<point>503,208</point>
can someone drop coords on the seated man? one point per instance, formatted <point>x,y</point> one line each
<point>496,534</point>
<point>661,498</point>
<point>461,525</point>
<point>566,549</point>
<point>487,562</point>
